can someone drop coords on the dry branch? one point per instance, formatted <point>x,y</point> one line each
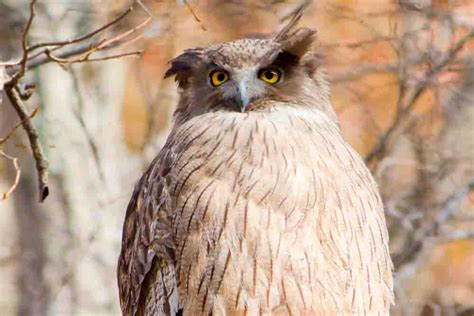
<point>86,58</point>
<point>414,245</point>
<point>80,53</point>
<point>84,37</point>
<point>408,97</point>
<point>198,20</point>
<point>24,43</point>
<point>33,137</point>
<point>17,174</point>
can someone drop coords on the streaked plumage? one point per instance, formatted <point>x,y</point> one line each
<point>255,207</point>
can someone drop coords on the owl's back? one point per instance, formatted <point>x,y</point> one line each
<point>271,211</point>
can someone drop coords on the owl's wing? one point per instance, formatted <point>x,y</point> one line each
<point>146,271</point>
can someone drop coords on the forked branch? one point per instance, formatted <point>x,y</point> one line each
<point>81,52</point>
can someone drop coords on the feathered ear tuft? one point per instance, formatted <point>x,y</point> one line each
<point>296,42</point>
<point>299,42</point>
<point>285,31</point>
<point>182,65</point>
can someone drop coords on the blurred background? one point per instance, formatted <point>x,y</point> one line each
<point>402,76</point>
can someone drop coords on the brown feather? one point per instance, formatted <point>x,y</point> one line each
<point>285,31</point>
<point>299,42</point>
<point>183,65</point>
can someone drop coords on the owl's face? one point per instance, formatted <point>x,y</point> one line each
<point>244,75</point>
<point>252,75</point>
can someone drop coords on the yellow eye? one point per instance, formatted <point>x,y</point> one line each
<point>218,77</point>
<point>270,75</point>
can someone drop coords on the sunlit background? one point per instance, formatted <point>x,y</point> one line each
<point>402,76</point>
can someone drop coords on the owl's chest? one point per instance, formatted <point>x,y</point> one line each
<point>244,176</point>
<point>244,192</point>
<point>249,204</point>
<point>270,163</point>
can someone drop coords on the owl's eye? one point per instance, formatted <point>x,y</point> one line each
<point>218,77</point>
<point>270,75</point>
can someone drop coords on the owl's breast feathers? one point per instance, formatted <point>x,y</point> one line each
<point>259,212</point>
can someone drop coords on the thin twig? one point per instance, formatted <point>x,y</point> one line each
<point>198,20</point>
<point>40,160</point>
<point>103,44</point>
<point>17,174</point>
<point>86,58</point>
<point>24,43</point>
<point>40,58</point>
<point>114,40</point>
<point>78,50</point>
<point>85,36</point>
<point>10,133</point>
<point>128,54</point>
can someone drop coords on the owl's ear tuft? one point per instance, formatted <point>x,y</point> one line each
<point>296,42</point>
<point>182,65</point>
<point>297,48</point>
<point>288,28</point>
<point>299,42</point>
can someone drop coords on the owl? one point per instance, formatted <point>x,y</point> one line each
<point>256,204</point>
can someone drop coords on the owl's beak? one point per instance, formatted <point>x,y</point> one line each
<point>243,98</point>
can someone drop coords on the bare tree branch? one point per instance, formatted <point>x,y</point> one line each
<point>85,47</point>
<point>84,37</point>
<point>198,20</point>
<point>79,54</point>
<point>24,43</point>
<point>408,97</point>
<point>413,246</point>
<point>86,58</point>
<point>33,137</point>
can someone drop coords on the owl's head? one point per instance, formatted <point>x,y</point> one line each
<point>246,74</point>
